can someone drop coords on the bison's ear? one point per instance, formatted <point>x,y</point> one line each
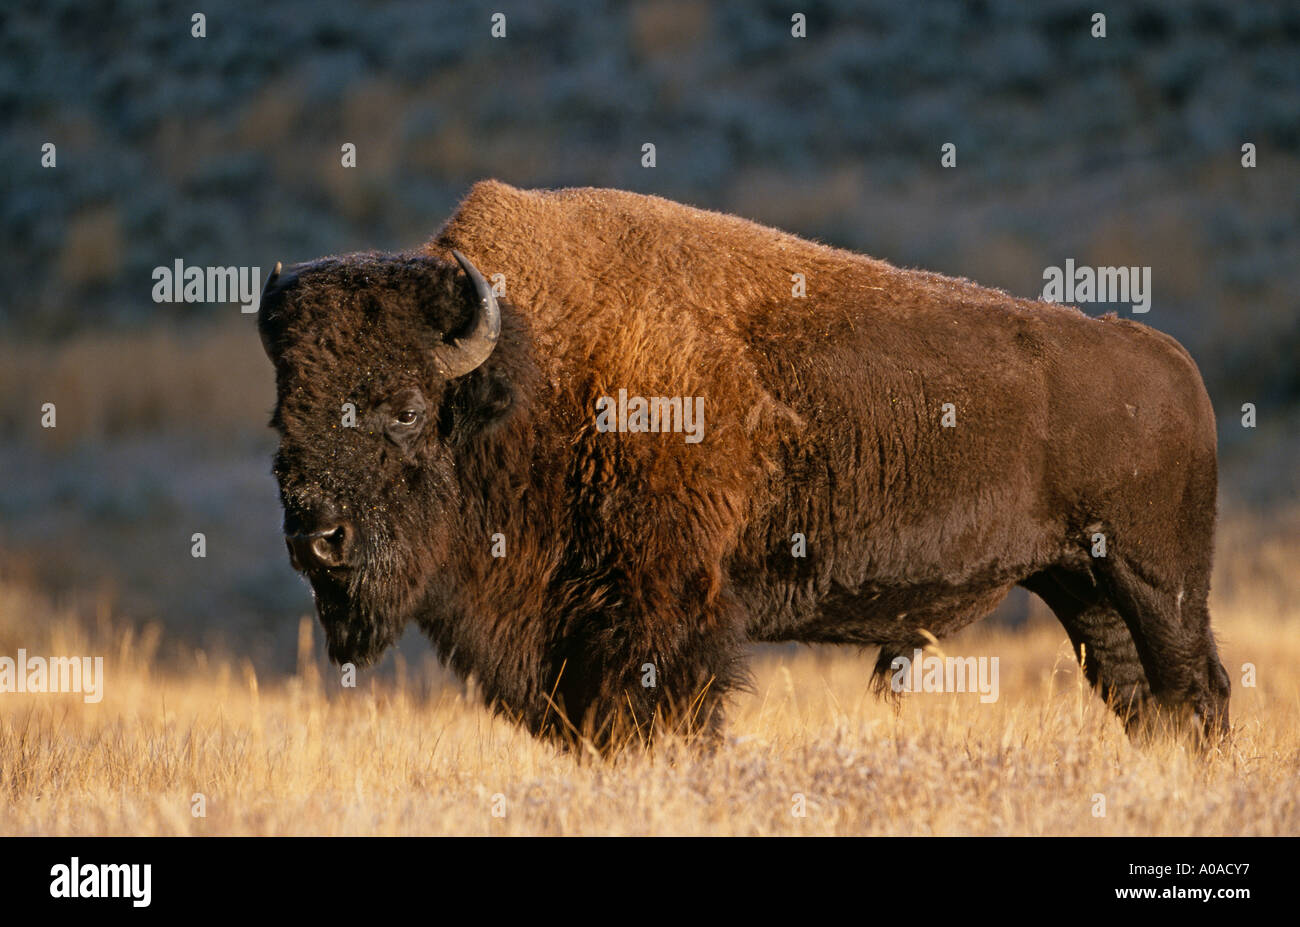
<point>476,403</point>
<point>272,310</point>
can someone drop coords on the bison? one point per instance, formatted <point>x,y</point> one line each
<point>882,454</point>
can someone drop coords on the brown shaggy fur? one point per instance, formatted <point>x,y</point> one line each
<point>822,417</point>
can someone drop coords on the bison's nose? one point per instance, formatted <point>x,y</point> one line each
<point>329,547</point>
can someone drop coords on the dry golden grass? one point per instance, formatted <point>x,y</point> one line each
<point>416,754</point>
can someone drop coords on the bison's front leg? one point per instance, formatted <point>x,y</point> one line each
<point>1100,640</point>
<point>1171,632</point>
<point>627,677</point>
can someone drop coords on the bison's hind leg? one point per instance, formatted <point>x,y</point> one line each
<point>1100,638</point>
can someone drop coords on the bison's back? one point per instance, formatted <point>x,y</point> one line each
<point>933,406</point>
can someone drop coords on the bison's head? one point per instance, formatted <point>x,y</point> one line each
<point>380,360</point>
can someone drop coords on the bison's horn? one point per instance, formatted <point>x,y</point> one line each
<point>459,356</point>
<point>261,327</point>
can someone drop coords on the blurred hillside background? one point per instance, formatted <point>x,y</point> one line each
<point>225,150</point>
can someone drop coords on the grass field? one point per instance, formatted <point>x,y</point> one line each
<point>412,752</point>
<point>206,701</point>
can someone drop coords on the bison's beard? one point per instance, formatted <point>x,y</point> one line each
<point>361,619</point>
<point>365,608</point>
<point>351,637</point>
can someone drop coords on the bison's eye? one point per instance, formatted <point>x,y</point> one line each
<point>403,417</point>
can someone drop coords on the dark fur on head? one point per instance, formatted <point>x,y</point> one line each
<point>361,329</point>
